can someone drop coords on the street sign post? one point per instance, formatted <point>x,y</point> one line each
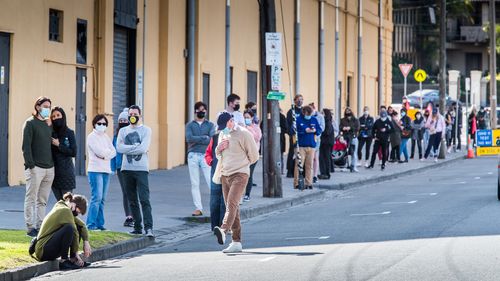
<point>420,76</point>
<point>405,70</point>
<point>273,48</point>
<point>467,92</point>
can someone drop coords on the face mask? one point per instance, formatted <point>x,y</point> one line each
<point>307,117</point>
<point>236,107</point>
<point>366,113</point>
<point>101,128</point>
<point>403,114</point>
<point>248,122</point>
<point>226,131</point>
<point>348,114</point>
<point>426,115</point>
<point>45,113</point>
<point>383,118</point>
<point>58,123</point>
<point>419,116</point>
<point>133,119</point>
<point>299,103</point>
<point>200,114</point>
<point>75,213</point>
<point>122,125</point>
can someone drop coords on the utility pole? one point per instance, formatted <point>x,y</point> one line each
<point>296,46</point>
<point>321,63</point>
<point>493,66</point>
<point>442,70</point>
<point>360,55</point>
<point>380,56</point>
<point>336,79</point>
<point>270,109</point>
<point>228,50</point>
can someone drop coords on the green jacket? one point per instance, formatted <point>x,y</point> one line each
<point>60,215</point>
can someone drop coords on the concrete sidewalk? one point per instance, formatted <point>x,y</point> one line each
<point>171,194</point>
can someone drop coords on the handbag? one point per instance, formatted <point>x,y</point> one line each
<point>406,133</point>
<point>217,178</point>
<point>31,249</point>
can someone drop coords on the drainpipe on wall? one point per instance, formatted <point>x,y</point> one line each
<point>360,52</point>
<point>380,56</point>
<point>297,47</point>
<point>321,62</point>
<point>191,6</point>
<point>337,90</point>
<point>143,56</point>
<point>228,48</point>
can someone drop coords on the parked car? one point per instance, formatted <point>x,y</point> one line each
<point>428,95</point>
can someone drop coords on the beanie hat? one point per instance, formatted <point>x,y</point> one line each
<point>123,115</point>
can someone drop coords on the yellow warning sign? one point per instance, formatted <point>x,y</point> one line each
<point>420,75</point>
<point>482,151</point>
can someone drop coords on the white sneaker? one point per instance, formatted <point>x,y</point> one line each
<point>367,165</point>
<point>355,170</point>
<point>149,233</point>
<point>221,236</point>
<point>358,164</point>
<point>234,247</point>
<point>435,159</point>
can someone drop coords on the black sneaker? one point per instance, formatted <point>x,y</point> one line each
<point>136,232</point>
<point>32,233</point>
<point>309,187</point>
<point>315,179</point>
<point>221,236</point>
<point>129,222</point>
<point>68,265</point>
<point>383,167</point>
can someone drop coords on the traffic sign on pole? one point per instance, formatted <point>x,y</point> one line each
<point>405,68</point>
<point>420,75</point>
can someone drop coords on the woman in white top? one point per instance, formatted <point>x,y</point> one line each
<point>101,151</point>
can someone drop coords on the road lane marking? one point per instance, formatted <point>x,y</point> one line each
<point>267,259</point>
<point>308,237</point>
<point>423,194</point>
<point>462,182</point>
<point>395,203</point>
<point>371,214</point>
<point>477,178</point>
<point>490,173</point>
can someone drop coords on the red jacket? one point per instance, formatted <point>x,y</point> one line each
<point>208,153</point>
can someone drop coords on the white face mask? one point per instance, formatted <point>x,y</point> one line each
<point>366,113</point>
<point>383,118</point>
<point>101,128</point>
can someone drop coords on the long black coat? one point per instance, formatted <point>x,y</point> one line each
<point>63,160</point>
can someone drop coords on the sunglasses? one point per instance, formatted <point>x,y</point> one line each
<point>102,124</point>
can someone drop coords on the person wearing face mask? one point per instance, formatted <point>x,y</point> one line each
<point>450,121</point>
<point>349,126</point>
<point>134,141</point>
<point>198,135</point>
<point>100,151</point>
<point>417,134</point>
<point>405,123</point>
<point>253,107</point>
<point>365,134</point>
<point>38,164</point>
<point>481,119</point>
<point>233,107</point>
<point>116,167</point>
<point>426,130</point>
<point>61,233</point>
<point>63,152</point>
<point>308,130</point>
<point>381,131</point>
<point>257,136</point>
<point>437,127</point>
<point>395,138</point>
<point>298,101</point>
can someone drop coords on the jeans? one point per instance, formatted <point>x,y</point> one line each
<point>137,186</point>
<point>368,143</point>
<point>38,185</point>
<point>59,244</point>
<point>353,151</point>
<point>126,204</point>
<point>195,162</point>
<point>217,205</point>
<point>99,184</point>
<point>250,180</point>
<point>403,148</point>
<point>427,137</point>
<point>434,142</point>
<point>395,153</point>
<point>418,143</point>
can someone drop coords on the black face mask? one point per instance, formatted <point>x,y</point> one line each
<point>58,123</point>
<point>200,114</point>
<point>133,119</point>
<point>236,107</point>
<point>122,125</point>
<point>348,114</point>
<point>75,213</point>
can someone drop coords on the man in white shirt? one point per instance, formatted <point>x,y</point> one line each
<point>233,107</point>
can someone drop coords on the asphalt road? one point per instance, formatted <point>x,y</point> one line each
<point>438,225</point>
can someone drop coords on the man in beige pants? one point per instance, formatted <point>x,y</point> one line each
<point>236,151</point>
<point>38,164</point>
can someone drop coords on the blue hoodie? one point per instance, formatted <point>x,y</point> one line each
<point>307,139</point>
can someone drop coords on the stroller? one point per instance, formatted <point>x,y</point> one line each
<point>340,153</point>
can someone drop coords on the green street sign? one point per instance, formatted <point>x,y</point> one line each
<point>276,96</point>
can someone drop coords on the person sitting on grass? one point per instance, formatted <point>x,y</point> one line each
<point>61,232</point>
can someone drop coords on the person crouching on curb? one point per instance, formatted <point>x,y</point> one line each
<point>61,231</point>
<point>236,151</point>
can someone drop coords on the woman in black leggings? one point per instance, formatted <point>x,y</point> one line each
<point>61,232</point>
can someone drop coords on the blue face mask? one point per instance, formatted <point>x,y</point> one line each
<point>248,122</point>
<point>45,112</point>
<point>307,117</point>
<point>226,131</point>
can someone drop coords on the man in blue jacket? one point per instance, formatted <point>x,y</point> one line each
<point>308,130</point>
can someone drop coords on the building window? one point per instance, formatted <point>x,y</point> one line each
<point>251,86</point>
<point>55,25</point>
<point>231,69</point>
<point>206,89</point>
<point>81,42</point>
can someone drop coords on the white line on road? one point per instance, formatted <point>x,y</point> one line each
<point>371,214</point>
<point>490,173</point>
<point>308,237</point>
<point>477,178</point>
<point>267,259</point>
<point>423,194</point>
<point>462,182</point>
<point>394,203</point>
